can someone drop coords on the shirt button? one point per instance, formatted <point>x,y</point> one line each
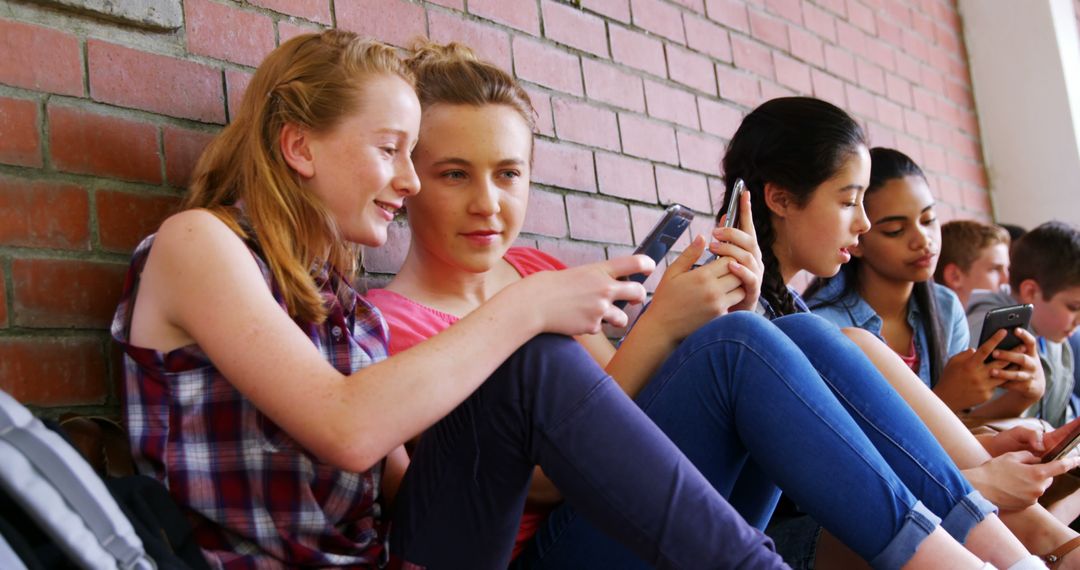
<point>336,331</point>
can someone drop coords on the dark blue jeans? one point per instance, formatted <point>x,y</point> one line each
<point>744,402</point>
<point>551,405</point>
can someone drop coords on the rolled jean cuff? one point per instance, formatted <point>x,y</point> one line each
<point>917,525</point>
<point>970,511</point>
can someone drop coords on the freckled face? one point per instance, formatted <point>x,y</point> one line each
<point>473,163</point>
<point>361,166</point>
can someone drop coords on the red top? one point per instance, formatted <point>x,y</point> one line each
<point>912,357</point>
<point>410,323</point>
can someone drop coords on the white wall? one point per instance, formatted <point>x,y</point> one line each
<point>1025,69</point>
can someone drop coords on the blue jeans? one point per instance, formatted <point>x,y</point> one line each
<point>551,405</point>
<point>745,404</point>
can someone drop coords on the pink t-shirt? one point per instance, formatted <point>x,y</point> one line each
<point>411,323</point>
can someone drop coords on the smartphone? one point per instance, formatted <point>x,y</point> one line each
<point>659,241</point>
<point>731,215</point>
<point>1066,445</point>
<point>1005,318</point>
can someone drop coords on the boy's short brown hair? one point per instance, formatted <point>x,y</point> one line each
<point>962,241</point>
<point>1048,255</point>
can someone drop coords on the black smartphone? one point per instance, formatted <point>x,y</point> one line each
<point>1066,445</point>
<point>1005,318</point>
<point>659,241</point>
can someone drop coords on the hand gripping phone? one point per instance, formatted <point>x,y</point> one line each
<point>731,214</point>
<point>659,241</point>
<point>1066,445</point>
<point>1005,318</point>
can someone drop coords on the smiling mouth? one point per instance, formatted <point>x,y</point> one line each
<point>391,208</point>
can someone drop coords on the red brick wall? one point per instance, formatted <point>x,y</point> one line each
<point>100,124</point>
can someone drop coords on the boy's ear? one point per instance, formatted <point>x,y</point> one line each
<point>952,275</point>
<point>1029,291</point>
<point>778,200</point>
<point>295,144</point>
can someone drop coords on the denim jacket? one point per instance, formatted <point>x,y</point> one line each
<point>854,311</point>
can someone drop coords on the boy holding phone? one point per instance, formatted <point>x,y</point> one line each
<point>1045,272</point>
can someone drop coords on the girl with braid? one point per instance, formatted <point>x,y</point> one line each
<point>806,166</point>
<point>735,393</point>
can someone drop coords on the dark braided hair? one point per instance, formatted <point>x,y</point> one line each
<point>796,143</point>
<point>887,164</point>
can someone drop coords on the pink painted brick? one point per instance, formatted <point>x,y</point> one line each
<point>85,142</point>
<point>700,152</point>
<point>609,84</point>
<point>852,38</point>
<point>314,10</point>
<point>737,86</point>
<point>687,188</point>
<point>959,93</point>
<point>915,45</point>
<point>693,5</point>
<point>915,124</point>
<point>908,68</point>
<point>881,53</point>
<point>708,38</point>
<point>614,9</point>
<point>575,28</point>
<point>768,29</point>
<point>236,83</point>
<point>563,166</point>
<point>770,90</point>
<point>888,31</point>
<point>691,69</point>
<point>861,16</point>
<point>890,114</point>
<point>870,76</point>
<point>840,62</point>
<point>520,14</point>
<point>828,88</point>
<point>898,89</point>
<point>718,118</point>
<point>925,101</point>
<point>131,78</point>
<point>670,104</point>
<point>489,42</point>
<point>21,142</point>
<point>648,139</point>
<point>40,59</point>
<point>658,17</point>
<point>940,133</point>
<point>898,11</point>
<point>860,101</point>
<point>820,22</point>
<point>806,46</point>
<point>730,13</point>
<point>546,65</point>
<point>880,136</point>
<point>288,30</point>
<point>948,39</point>
<point>637,50</point>
<point>792,73</point>
<point>933,157</point>
<point>545,120</point>
<point>182,149</point>
<point>228,33</point>
<point>752,56</point>
<point>626,177</point>
<point>790,10</point>
<point>458,5</point>
<point>598,220</point>
<point>835,6</point>
<point>933,79</point>
<point>572,253</point>
<point>395,22</point>
<point>546,214</point>
<point>586,124</point>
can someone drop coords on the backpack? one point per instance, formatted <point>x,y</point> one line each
<point>51,497</point>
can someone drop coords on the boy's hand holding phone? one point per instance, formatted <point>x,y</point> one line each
<point>1020,367</point>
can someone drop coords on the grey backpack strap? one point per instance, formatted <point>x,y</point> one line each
<point>8,558</point>
<point>49,478</point>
